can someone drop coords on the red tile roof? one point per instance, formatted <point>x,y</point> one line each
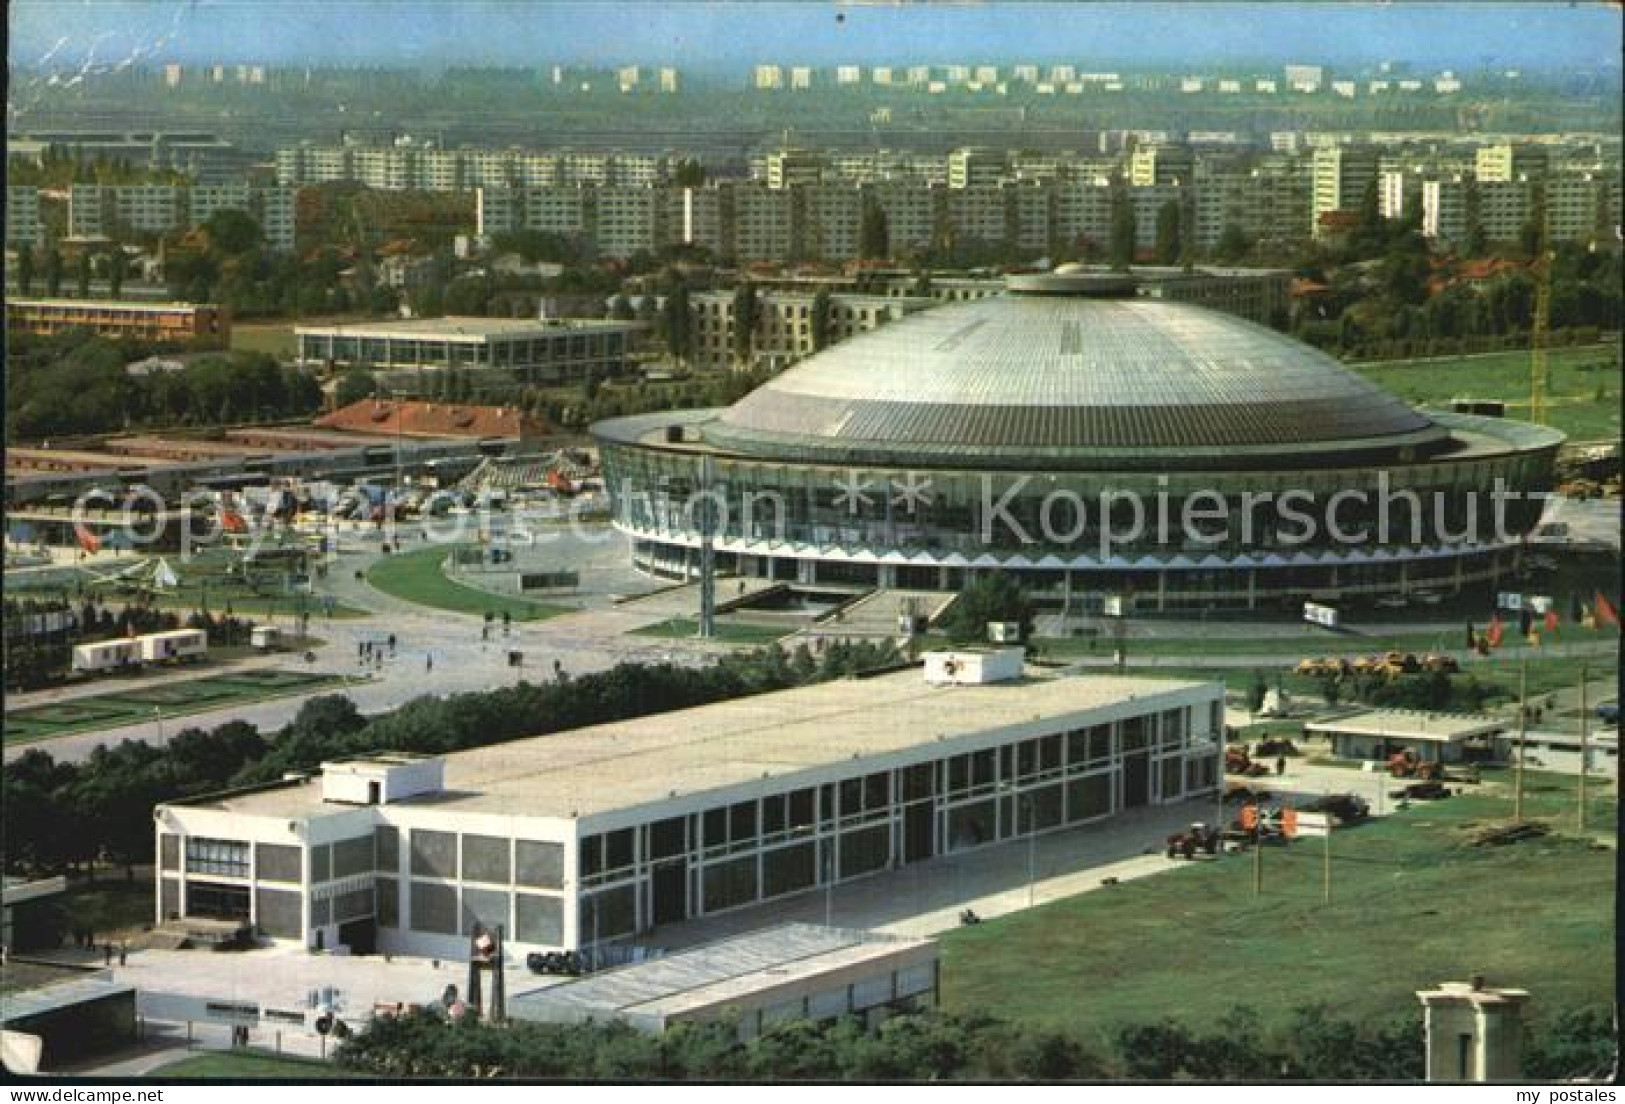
<point>388,418</point>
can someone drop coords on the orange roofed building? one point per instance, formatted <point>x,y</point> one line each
<point>393,418</point>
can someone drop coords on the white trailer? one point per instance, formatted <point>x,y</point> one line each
<point>106,655</point>
<point>177,644</point>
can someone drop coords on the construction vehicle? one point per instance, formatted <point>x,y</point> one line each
<point>1407,764</point>
<point>1437,662</point>
<point>1199,837</point>
<point>1324,667</point>
<point>1237,761</point>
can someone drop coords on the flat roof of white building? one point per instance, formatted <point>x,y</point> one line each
<point>461,327</point>
<point>711,975</point>
<point>1406,724</point>
<point>635,762</point>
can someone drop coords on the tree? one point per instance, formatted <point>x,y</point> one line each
<point>874,235</point>
<point>678,323</point>
<point>82,275</point>
<point>746,309</point>
<point>690,173</point>
<point>1123,229</point>
<point>620,308</point>
<point>25,269</point>
<point>115,271</point>
<point>232,232</point>
<point>353,386</point>
<point>1532,234</point>
<point>1473,243</point>
<point>997,596</point>
<point>53,272</point>
<point>1233,244</point>
<point>1168,230</point>
<point>1369,232</point>
<point>819,322</point>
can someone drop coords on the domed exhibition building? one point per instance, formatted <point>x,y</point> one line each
<point>1095,444</point>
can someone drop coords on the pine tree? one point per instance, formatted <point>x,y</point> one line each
<point>1168,233</point>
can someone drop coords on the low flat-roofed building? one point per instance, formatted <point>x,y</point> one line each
<point>201,324</point>
<point>72,1012</point>
<point>29,916</point>
<point>787,972</point>
<point>1551,750</point>
<point>594,836</point>
<point>411,354</point>
<point>1435,737</point>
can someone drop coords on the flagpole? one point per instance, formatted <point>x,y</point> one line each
<point>1523,722</point>
<point>1583,750</point>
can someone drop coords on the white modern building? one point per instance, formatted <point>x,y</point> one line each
<point>592,837</point>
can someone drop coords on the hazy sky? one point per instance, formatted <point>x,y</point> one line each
<point>697,34</point>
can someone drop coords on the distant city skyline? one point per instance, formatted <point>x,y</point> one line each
<point>701,36</point>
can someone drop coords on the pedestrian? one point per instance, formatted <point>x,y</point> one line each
<point>428,663</point>
<point>123,954</point>
<point>1280,765</point>
<point>391,643</point>
<point>107,954</point>
<point>361,649</point>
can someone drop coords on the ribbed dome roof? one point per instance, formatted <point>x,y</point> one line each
<point>1071,378</point>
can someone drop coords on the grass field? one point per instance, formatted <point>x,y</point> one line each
<point>728,632</point>
<point>249,1065</point>
<point>1583,386</point>
<point>118,708</point>
<point>275,338</point>
<point>1414,903</point>
<point>417,577</point>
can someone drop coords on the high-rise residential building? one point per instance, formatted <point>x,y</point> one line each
<point>1341,175</point>
<point>668,81</point>
<point>787,168</point>
<point>881,74</point>
<point>1444,210</point>
<point>801,77</point>
<point>975,167</point>
<point>118,211</point>
<point>768,78</point>
<point>1160,164</point>
<point>22,216</point>
<point>172,75</point>
<point>1505,161</point>
<point>1025,73</point>
<point>987,74</point>
<point>848,75</point>
<point>1503,209</point>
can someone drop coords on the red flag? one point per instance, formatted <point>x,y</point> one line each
<point>1493,633</point>
<point>1605,611</point>
<point>87,540</point>
<point>1551,620</point>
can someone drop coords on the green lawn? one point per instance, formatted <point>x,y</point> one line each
<point>249,1065</point>
<point>1582,385</point>
<point>275,338</point>
<point>728,632</point>
<point>1414,904</point>
<point>150,704</point>
<point>417,577</point>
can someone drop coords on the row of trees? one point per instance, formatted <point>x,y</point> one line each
<point>77,383</point>
<point>932,1046</point>
<point>65,815</point>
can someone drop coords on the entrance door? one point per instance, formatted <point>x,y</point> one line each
<point>670,885</point>
<point>361,936</point>
<point>1137,780</point>
<point>919,821</point>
